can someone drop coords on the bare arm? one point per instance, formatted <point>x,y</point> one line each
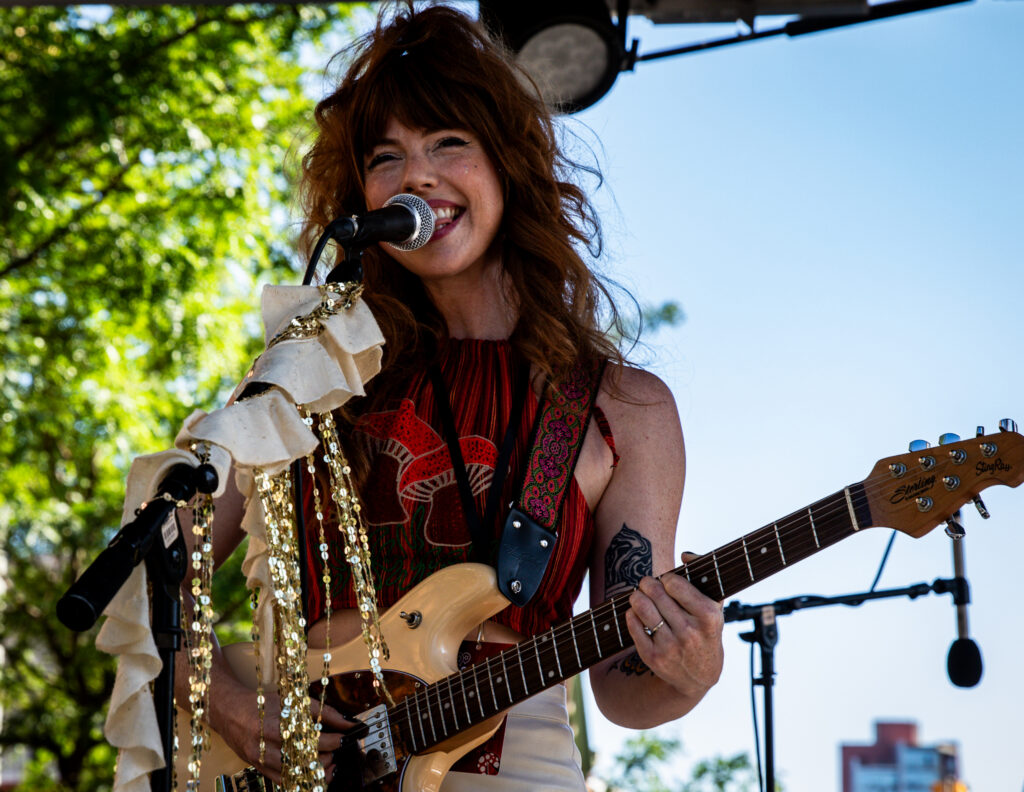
<point>667,673</point>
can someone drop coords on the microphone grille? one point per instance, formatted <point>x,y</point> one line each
<point>424,221</point>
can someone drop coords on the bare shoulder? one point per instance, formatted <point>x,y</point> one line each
<point>639,406</point>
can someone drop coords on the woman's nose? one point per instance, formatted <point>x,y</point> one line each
<point>419,175</point>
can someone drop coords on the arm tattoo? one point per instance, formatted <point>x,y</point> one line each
<point>627,560</point>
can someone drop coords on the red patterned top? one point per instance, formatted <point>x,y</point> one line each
<point>411,505</point>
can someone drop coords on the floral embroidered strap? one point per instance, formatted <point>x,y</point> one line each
<point>561,425</point>
<point>529,536</point>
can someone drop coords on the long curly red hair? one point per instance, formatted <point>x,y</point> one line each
<point>438,69</point>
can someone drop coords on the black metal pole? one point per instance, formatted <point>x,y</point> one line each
<point>766,635</point>
<point>166,571</point>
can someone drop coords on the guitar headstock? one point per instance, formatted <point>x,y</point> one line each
<point>916,491</point>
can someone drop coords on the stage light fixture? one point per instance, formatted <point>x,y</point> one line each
<point>571,49</point>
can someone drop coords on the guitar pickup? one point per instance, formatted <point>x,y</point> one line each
<point>248,780</point>
<point>377,746</point>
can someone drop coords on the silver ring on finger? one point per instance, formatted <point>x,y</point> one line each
<point>652,630</point>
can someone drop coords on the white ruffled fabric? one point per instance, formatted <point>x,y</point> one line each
<point>265,431</point>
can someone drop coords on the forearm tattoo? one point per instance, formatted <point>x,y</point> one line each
<point>627,560</point>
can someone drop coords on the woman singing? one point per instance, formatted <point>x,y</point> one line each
<point>486,320</point>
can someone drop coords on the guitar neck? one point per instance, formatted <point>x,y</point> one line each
<point>464,699</point>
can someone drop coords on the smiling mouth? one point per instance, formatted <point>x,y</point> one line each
<point>444,216</point>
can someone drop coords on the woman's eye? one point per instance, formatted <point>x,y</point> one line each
<point>450,141</point>
<point>379,159</point>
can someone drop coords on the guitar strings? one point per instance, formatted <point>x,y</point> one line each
<point>544,649</point>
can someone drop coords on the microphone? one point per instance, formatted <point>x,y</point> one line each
<point>89,596</point>
<point>963,663</point>
<point>405,222</point>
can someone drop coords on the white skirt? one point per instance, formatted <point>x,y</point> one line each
<point>538,754</point>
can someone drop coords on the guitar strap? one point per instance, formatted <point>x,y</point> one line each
<point>479,528</point>
<point>529,536</point>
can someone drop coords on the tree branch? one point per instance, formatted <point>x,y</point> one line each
<point>115,185</point>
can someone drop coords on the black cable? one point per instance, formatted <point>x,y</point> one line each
<point>753,708</point>
<point>885,557</point>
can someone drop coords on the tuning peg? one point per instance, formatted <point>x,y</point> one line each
<point>981,507</point>
<point>980,432</point>
<point>954,530</point>
<point>1007,425</point>
<point>919,445</point>
<point>947,438</point>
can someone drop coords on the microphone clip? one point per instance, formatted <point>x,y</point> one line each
<point>957,587</point>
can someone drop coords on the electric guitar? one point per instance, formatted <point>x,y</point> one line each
<point>441,713</point>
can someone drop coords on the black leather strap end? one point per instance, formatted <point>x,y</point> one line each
<point>523,557</point>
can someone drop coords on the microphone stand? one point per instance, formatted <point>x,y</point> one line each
<point>766,635</point>
<point>155,538</point>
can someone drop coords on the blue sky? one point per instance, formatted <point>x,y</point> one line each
<point>840,217</point>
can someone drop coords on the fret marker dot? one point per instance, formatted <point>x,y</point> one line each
<point>447,705</point>
<point>498,680</point>
<point>704,579</point>
<point>551,673</point>
<point>764,550</point>
<point>471,694</point>
<point>606,628</point>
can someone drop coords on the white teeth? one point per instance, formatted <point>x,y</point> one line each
<point>445,213</point>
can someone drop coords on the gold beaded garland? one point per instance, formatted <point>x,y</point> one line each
<point>301,770</point>
<point>199,630</point>
<point>325,673</point>
<point>357,549</point>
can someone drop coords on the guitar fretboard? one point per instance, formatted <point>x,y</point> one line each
<point>464,699</point>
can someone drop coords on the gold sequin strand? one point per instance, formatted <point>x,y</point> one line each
<point>357,548</point>
<point>261,700</point>
<point>334,297</point>
<point>299,736</point>
<point>325,578</point>
<point>199,636</point>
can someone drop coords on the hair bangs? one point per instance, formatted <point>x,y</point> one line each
<point>421,88</point>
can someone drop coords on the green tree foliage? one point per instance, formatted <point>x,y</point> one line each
<point>640,767</point>
<point>724,774</point>
<point>143,196</point>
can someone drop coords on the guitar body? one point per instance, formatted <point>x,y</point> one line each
<point>450,604</point>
